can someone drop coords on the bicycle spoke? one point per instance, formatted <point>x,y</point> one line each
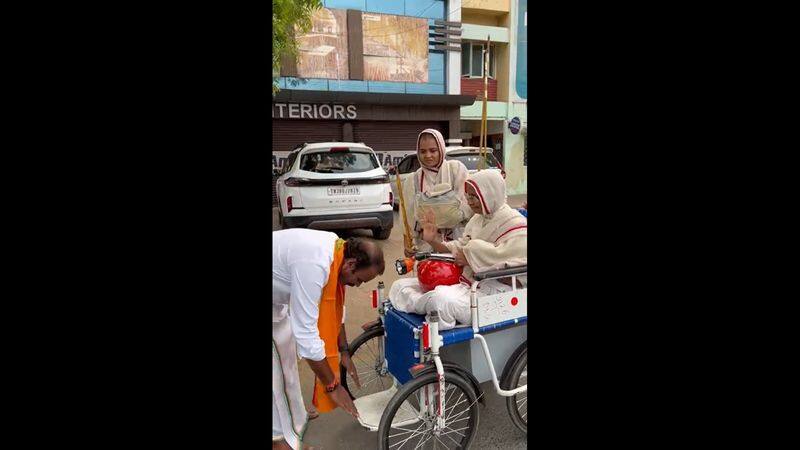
<point>366,371</point>
<point>448,397</point>
<point>455,431</point>
<point>448,437</point>
<point>403,442</point>
<point>410,408</point>
<point>423,441</point>
<point>454,406</point>
<point>406,430</point>
<point>373,352</point>
<point>445,446</point>
<point>380,378</point>
<point>454,421</point>
<point>468,408</point>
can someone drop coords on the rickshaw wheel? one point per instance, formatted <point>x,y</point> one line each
<point>517,405</point>
<point>364,354</point>
<point>462,415</point>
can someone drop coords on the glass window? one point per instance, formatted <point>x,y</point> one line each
<point>414,163</point>
<point>338,162</point>
<point>473,160</point>
<point>472,60</point>
<point>290,162</point>
<point>405,165</point>
<point>465,49</point>
<point>477,60</point>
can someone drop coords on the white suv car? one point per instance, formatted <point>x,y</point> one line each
<point>335,185</point>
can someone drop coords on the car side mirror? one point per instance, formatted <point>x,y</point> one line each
<point>392,170</point>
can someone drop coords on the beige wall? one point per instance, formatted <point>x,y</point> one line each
<point>505,21</point>
<point>487,5</point>
<point>474,126</point>
<point>501,71</point>
<point>479,18</point>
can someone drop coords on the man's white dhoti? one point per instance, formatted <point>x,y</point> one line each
<point>289,417</point>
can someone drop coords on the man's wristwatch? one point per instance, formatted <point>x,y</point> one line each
<point>331,387</point>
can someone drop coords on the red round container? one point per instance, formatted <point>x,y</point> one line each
<point>432,273</point>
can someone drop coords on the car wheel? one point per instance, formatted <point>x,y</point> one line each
<point>381,233</point>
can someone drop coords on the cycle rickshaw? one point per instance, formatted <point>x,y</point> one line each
<point>420,388</point>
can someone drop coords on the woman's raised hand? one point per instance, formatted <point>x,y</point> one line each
<point>429,230</point>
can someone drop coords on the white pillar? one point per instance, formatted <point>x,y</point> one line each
<point>453,58</point>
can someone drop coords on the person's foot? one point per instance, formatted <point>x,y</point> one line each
<point>312,413</point>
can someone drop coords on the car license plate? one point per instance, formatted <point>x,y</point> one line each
<point>350,190</point>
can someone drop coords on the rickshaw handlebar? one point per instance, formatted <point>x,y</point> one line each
<point>429,255</point>
<point>501,273</point>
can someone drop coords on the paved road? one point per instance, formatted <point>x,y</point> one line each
<point>338,430</point>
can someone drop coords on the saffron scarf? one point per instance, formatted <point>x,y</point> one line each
<point>331,310</point>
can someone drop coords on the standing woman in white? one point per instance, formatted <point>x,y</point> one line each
<point>436,179</point>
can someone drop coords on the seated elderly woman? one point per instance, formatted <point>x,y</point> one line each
<point>496,237</point>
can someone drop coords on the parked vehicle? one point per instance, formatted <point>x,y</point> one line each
<point>470,156</point>
<point>275,174</point>
<point>335,185</point>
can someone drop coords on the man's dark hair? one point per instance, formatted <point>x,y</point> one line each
<point>366,253</point>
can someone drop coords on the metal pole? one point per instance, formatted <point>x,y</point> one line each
<point>484,125</point>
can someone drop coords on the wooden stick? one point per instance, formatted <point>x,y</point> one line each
<point>407,242</point>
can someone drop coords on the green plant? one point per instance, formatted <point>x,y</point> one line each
<point>288,17</point>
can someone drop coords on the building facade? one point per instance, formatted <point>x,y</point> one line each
<point>373,71</point>
<point>505,21</point>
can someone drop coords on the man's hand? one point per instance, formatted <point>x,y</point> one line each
<point>342,399</point>
<point>348,365</point>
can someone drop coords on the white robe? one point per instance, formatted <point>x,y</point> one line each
<point>452,302</point>
<point>301,261</point>
<point>424,179</point>
<point>496,239</point>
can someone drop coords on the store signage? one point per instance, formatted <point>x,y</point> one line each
<point>514,125</point>
<point>313,111</point>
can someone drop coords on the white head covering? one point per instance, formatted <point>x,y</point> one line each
<point>439,143</point>
<point>490,187</point>
<point>498,236</point>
